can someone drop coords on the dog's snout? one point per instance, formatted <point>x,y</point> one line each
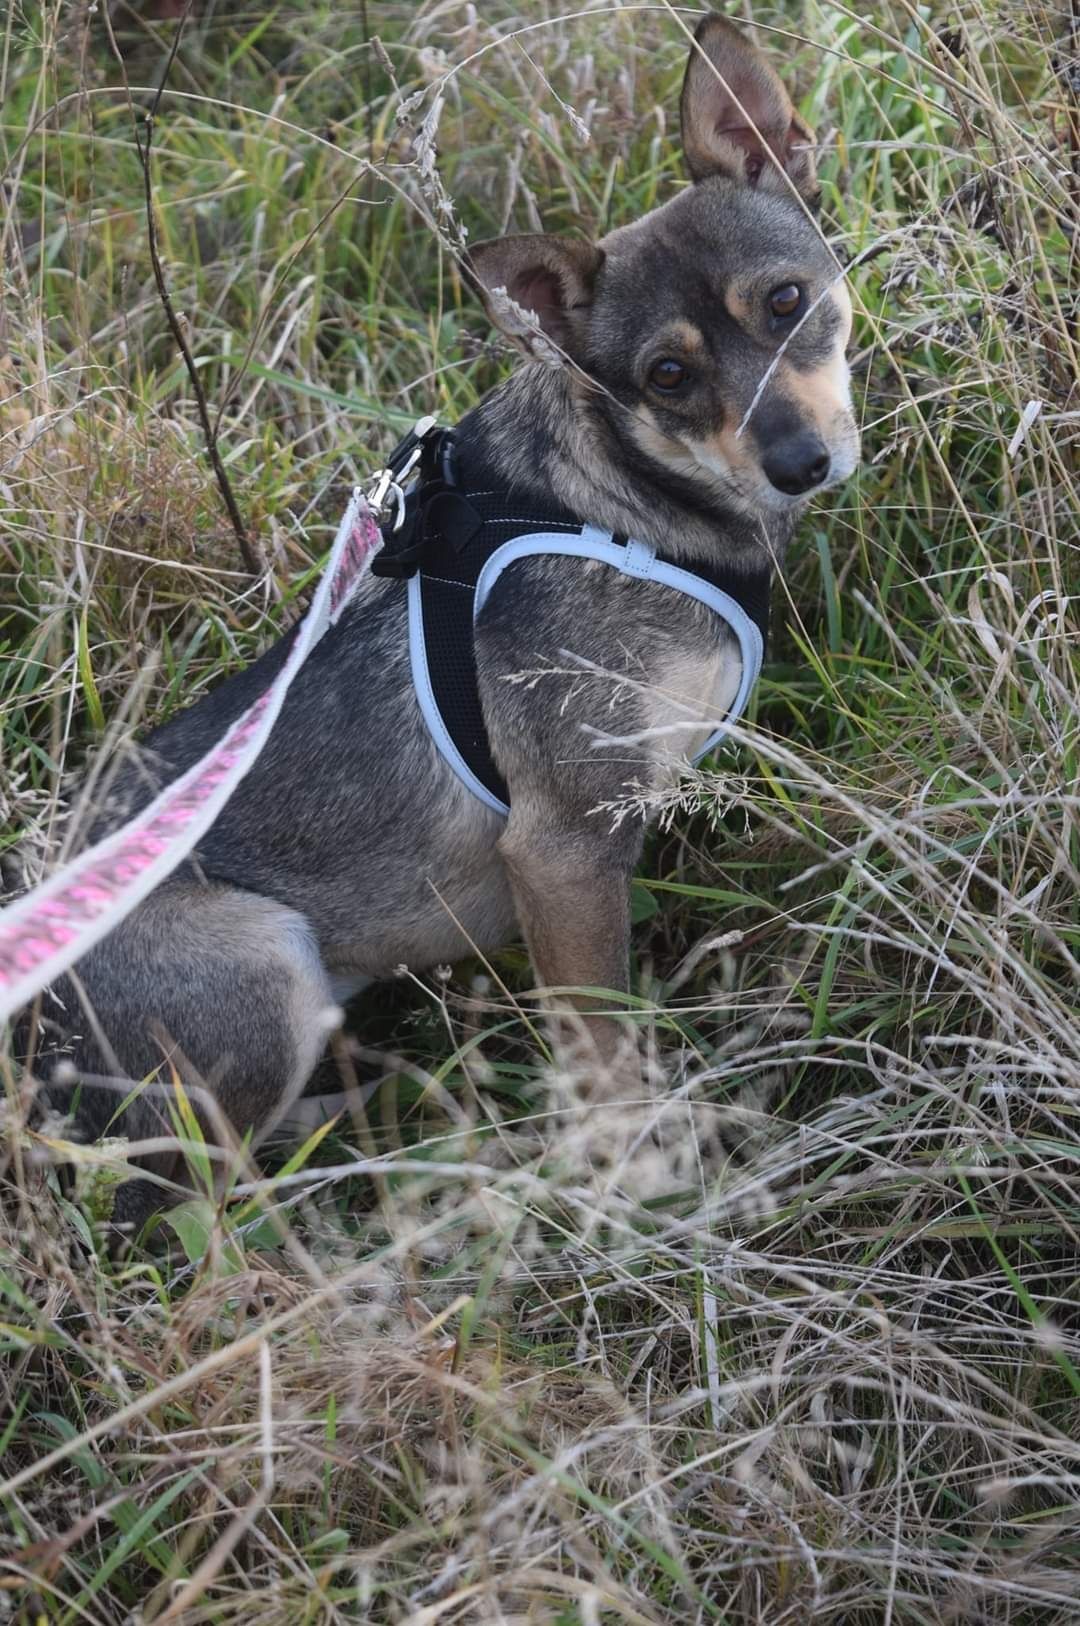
<point>797,464</point>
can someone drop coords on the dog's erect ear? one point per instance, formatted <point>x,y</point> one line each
<point>551,277</point>
<point>737,117</point>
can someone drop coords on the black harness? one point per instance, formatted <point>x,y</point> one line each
<point>440,536</point>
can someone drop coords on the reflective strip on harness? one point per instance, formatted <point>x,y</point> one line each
<point>635,559</point>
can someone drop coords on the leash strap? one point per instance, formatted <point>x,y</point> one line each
<point>44,933</point>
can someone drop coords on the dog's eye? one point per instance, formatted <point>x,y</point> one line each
<point>668,375</point>
<point>785,301</point>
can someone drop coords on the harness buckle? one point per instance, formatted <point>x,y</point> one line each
<point>388,484</point>
<point>421,462</point>
<point>406,453</point>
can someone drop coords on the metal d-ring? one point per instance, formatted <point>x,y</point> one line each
<point>387,491</point>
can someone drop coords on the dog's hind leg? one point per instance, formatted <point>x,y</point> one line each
<point>223,988</point>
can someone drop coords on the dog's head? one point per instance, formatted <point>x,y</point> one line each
<point>719,322</point>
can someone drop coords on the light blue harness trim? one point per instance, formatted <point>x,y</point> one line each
<point>432,715</point>
<point>636,559</point>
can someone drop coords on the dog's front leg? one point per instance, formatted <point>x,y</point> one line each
<point>572,894</point>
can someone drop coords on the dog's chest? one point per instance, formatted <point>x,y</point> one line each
<point>693,690</point>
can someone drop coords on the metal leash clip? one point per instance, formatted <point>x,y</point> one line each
<point>386,493</point>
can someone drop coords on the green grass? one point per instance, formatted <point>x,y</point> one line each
<point>795,1336</point>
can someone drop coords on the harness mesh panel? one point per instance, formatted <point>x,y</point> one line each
<point>447,589</point>
<point>449,568</point>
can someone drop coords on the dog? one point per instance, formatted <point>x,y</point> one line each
<point>684,392</point>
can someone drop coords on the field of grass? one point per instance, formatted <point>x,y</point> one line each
<point>795,1336</point>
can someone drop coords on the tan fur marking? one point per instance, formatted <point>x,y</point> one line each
<point>728,452</point>
<point>813,391</point>
<point>825,394</point>
<point>737,454</point>
<point>682,337</point>
<point>685,333</point>
<point>688,698</point>
<point>842,300</point>
<point>822,394</point>
<point>739,306</point>
<point>728,464</point>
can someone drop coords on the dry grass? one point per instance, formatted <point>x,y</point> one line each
<point>793,1337</point>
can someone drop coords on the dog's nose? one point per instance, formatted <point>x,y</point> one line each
<point>797,464</point>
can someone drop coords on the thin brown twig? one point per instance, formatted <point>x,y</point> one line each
<point>143,147</point>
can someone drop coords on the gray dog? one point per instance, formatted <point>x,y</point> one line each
<point>610,517</point>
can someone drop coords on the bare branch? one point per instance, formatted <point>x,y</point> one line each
<point>143,146</point>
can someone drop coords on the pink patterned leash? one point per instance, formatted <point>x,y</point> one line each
<point>48,929</point>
